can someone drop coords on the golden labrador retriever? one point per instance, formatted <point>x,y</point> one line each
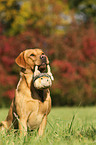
<point>30,106</point>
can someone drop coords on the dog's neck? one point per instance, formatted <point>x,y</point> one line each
<point>26,76</point>
<point>41,95</point>
<point>26,71</point>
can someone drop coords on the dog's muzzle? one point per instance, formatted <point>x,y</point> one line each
<point>43,58</point>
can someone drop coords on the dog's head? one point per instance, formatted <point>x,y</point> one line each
<point>30,58</point>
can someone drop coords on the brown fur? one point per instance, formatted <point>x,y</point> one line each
<point>30,107</point>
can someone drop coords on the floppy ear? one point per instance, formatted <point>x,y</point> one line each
<point>20,60</point>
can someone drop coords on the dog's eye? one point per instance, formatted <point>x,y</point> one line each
<point>32,55</point>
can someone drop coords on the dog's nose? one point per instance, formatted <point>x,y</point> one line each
<point>43,58</point>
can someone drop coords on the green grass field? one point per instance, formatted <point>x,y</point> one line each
<point>65,126</point>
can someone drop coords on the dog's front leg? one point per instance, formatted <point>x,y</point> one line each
<point>22,126</point>
<point>22,122</point>
<point>42,126</point>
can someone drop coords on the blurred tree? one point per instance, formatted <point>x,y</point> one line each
<point>84,7</point>
<point>74,65</point>
<point>88,7</point>
<point>48,15</point>
<point>74,3</point>
<point>8,11</point>
<point>43,16</point>
<point>13,15</point>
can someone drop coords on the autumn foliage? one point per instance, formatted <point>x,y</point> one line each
<point>72,58</point>
<point>74,66</point>
<point>10,47</point>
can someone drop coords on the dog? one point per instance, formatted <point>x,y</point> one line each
<point>30,107</point>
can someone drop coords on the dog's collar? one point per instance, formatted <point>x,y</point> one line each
<point>41,75</point>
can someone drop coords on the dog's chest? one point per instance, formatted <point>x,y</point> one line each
<point>43,107</point>
<point>37,115</point>
<point>34,120</point>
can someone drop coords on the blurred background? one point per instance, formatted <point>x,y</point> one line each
<point>66,31</point>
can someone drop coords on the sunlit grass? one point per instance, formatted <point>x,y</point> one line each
<point>66,125</point>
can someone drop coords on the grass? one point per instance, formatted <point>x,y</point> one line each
<point>65,126</point>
